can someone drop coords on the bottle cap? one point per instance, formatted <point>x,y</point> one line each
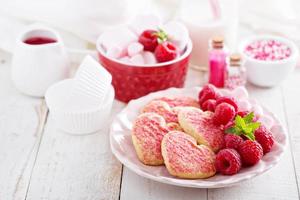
<point>235,60</point>
<point>217,42</point>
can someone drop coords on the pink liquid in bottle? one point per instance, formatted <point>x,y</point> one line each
<point>217,63</point>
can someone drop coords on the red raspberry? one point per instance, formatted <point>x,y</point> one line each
<point>209,105</point>
<point>208,92</point>
<point>232,141</point>
<point>165,51</point>
<point>228,162</point>
<point>228,100</point>
<point>251,152</point>
<point>224,113</point>
<point>149,40</point>
<point>265,138</point>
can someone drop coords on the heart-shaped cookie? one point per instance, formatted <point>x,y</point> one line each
<point>185,159</point>
<point>180,101</point>
<point>200,125</point>
<point>147,133</point>
<point>162,108</point>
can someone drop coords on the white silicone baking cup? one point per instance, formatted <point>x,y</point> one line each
<point>77,121</point>
<point>92,82</point>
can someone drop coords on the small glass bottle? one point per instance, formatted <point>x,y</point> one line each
<point>236,72</point>
<point>217,62</point>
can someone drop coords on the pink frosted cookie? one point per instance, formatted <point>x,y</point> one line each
<point>147,133</point>
<point>180,101</point>
<point>161,108</point>
<point>200,125</point>
<point>185,159</point>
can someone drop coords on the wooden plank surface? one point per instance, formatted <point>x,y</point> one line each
<point>291,99</point>
<point>75,167</point>
<point>20,133</point>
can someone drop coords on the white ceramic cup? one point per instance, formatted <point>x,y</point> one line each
<point>269,73</point>
<point>36,67</point>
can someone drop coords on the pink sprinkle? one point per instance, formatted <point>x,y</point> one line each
<point>269,50</point>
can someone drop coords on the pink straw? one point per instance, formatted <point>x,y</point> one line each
<point>215,7</point>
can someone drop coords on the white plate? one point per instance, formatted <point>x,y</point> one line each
<point>123,149</point>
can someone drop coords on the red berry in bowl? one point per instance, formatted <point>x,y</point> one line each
<point>232,141</point>
<point>149,40</point>
<point>228,162</point>
<point>208,92</point>
<point>229,100</point>
<point>209,105</point>
<point>224,113</point>
<point>251,152</point>
<point>165,51</point>
<point>265,138</point>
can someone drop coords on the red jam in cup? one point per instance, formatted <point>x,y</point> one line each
<point>39,40</point>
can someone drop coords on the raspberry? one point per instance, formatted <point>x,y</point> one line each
<point>165,51</point>
<point>208,92</point>
<point>251,152</point>
<point>149,40</point>
<point>232,141</point>
<point>209,105</point>
<point>228,162</point>
<point>224,113</point>
<point>228,100</point>
<point>265,138</point>
<point>228,125</point>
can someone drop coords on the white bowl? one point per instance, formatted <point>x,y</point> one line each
<point>269,73</point>
<point>77,121</point>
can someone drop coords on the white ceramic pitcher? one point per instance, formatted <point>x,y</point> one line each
<point>37,66</point>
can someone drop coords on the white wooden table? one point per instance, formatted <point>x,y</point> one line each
<point>39,162</point>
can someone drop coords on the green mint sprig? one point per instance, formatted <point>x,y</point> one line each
<point>244,126</point>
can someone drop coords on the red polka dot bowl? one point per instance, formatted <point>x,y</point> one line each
<point>134,81</point>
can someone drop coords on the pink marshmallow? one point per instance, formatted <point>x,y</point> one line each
<point>125,59</point>
<point>137,59</point>
<point>134,48</point>
<point>149,57</point>
<point>115,52</point>
<point>120,37</point>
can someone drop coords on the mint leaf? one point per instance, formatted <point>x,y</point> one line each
<point>247,130</point>
<point>248,118</point>
<point>161,35</point>
<point>244,126</point>
<point>239,121</point>
<point>233,130</point>
<point>250,136</point>
<point>254,125</point>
